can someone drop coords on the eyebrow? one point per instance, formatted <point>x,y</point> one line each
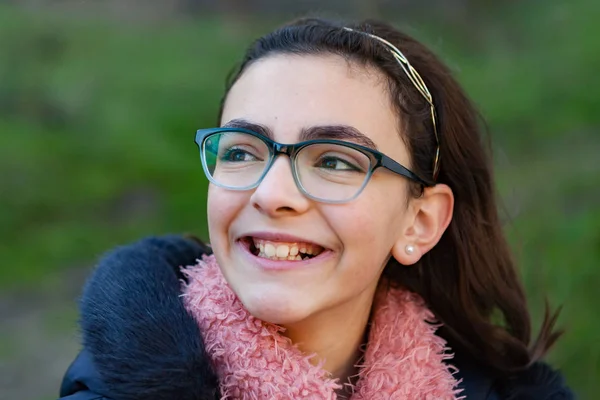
<point>338,132</point>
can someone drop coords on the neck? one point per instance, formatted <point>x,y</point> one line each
<point>335,335</point>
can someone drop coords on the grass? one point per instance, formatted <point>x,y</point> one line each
<point>97,122</point>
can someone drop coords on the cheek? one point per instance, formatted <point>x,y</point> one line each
<point>214,210</point>
<point>376,223</point>
<point>222,208</point>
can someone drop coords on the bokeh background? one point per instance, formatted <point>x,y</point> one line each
<point>99,102</point>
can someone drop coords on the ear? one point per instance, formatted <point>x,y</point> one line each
<point>430,216</point>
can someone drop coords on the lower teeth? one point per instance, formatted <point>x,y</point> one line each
<point>288,258</point>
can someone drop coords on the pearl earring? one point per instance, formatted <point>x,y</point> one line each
<point>410,249</point>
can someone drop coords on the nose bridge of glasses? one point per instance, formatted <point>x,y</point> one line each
<point>282,148</point>
<point>274,175</point>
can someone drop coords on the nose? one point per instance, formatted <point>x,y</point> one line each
<point>277,195</point>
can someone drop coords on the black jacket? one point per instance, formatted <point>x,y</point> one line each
<point>139,342</point>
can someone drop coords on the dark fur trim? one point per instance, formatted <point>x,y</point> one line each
<point>538,382</point>
<point>142,340</point>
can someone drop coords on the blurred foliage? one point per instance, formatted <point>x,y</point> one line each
<point>97,120</point>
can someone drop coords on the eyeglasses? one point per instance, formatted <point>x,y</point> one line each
<point>325,170</point>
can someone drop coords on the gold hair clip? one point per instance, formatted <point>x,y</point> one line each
<point>418,82</point>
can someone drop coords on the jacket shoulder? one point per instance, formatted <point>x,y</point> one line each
<point>475,380</point>
<point>539,381</point>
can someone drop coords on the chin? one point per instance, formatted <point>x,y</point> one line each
<point>280,307</point>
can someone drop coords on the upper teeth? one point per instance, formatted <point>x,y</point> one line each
<point>280,250</point>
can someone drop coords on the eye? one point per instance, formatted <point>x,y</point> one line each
<point>337,164</point>
<point>238,155</point>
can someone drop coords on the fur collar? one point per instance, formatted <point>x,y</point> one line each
<point>404,359</point>
<point>140,342</point>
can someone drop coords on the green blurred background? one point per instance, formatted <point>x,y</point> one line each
<point>99,102</point>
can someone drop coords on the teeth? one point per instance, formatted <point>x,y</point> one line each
<point>275,258</point>
<point>286,251</point>
<point>283,251</point>
<point>269,250</point>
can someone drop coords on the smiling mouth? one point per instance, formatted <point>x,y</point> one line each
<point>282,251</point>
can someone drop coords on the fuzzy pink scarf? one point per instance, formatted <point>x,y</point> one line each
<point>404,359</point>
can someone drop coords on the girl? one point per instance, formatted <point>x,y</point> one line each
<point>356,250</point>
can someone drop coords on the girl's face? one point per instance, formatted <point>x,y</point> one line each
<point>287,95</point>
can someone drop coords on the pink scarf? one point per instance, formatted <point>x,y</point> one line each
<point>404,359</point>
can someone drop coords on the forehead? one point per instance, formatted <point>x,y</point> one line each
<point>288,93</point>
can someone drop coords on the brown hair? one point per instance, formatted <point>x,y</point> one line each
<point>469,278</point>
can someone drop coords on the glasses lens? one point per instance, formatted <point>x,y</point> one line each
<point>235,160</point>
<point>332,172</point>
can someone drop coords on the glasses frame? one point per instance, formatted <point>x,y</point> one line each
<point>378,160</point>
